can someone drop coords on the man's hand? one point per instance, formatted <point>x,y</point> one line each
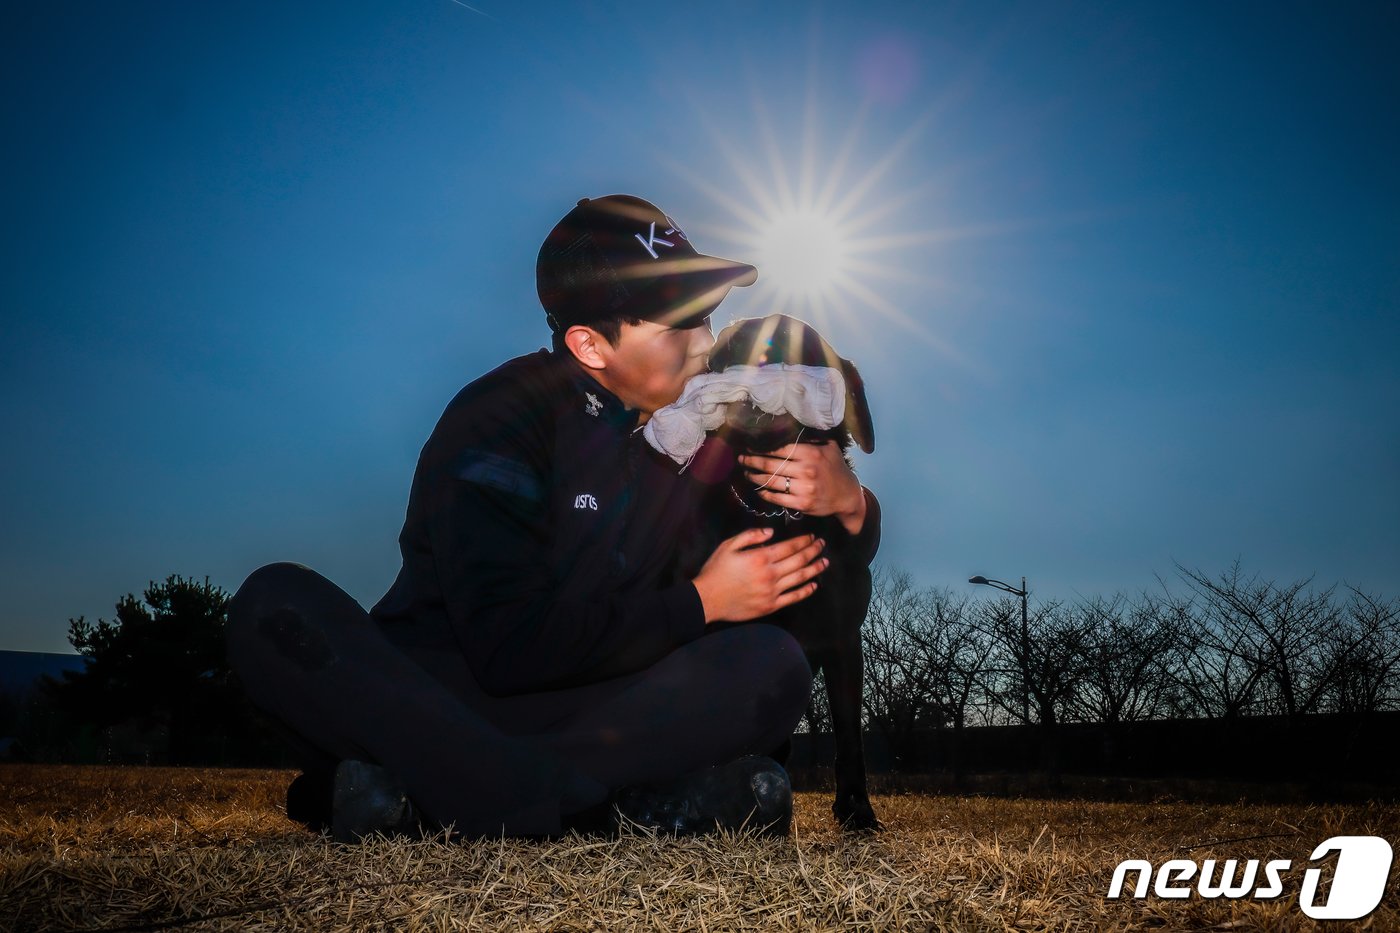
<point>745,579</point>
<point>814,480</point>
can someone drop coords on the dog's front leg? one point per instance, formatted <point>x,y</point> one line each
<point>844,676</point>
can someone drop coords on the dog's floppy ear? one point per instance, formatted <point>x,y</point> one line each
<point>857,421</point>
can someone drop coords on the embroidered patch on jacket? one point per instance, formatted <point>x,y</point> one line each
<point>501,473</point>
<point>593,406</point>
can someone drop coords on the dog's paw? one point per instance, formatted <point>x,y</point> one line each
<point>856,815</point>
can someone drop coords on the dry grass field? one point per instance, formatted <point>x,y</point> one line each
<point>90,848</point>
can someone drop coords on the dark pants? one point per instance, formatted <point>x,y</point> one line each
<point>314,661</point>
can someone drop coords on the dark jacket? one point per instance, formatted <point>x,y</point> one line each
<point>539,535</point>
<point>540,540</point>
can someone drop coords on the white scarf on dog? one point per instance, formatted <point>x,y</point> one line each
<point>814,395</point>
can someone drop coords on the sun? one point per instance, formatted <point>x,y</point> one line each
<point>833,240</point>
<point>802,253</point>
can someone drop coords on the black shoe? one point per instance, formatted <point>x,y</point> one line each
<point>751,793</point>
<point>368,799</point>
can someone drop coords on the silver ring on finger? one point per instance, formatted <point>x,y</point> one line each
<point>788,488</point>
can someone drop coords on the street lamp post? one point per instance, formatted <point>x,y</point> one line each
<point>1025,634</point>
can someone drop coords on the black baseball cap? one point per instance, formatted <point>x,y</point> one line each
<point>620,256</point>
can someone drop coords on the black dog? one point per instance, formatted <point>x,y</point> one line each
<point>827,624</point>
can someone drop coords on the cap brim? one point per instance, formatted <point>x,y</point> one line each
<point>691,289</point>
<point>742,273</point>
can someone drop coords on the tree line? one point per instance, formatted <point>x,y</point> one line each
<point>1225,648</point>
<point>156,687</point>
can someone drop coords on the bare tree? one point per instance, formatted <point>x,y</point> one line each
<point>898,685</point>
<point>1128,655</point>
<point>1221,665</point>
<point>954,655</point>
<point>1128,651</point>
<point>1366,657</point>
<point>1035,666</point>
<point>1277,636</point>
<point>1230,647</point>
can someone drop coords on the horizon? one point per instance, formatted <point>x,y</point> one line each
<point>1122,283</point>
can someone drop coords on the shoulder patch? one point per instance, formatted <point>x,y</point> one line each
<point>507,475</point>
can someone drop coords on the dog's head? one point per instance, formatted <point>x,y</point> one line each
<point>776,339</point>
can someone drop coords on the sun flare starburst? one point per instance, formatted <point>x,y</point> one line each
<point>802,252</point>
<point>832,245</point>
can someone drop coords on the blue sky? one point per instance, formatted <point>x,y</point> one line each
<point>1136,299</point>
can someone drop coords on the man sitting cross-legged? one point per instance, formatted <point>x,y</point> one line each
<point>539,664</point>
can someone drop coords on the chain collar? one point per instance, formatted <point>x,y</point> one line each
<point>790,515</point>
